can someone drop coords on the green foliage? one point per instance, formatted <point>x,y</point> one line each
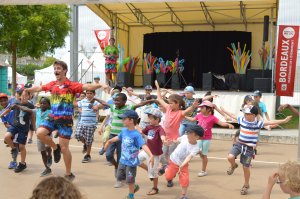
<point>293,124</point>
<point>28,70</point>
<point>34,29</point>
<point>49,61</point>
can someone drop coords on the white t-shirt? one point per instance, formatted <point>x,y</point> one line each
<point>183,150</point>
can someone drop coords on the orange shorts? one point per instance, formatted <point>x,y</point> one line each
<point>173,169</point>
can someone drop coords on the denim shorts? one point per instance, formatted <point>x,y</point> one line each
<point>126,173</point>
<point>20,133</point>
<point>246,152</point>
<point>64,130</point>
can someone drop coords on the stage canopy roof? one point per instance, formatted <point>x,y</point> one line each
<point>153,13</point>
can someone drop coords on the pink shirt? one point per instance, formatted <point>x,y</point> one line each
<point>206,122</point>
<point>172,123</point>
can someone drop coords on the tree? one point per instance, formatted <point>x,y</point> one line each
<point>32,31</point>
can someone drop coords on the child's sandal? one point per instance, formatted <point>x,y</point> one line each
<point>153,191</point>
<point>244,190</point>
<point>231,169</point>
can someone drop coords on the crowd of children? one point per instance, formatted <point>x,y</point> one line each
<point>173,129</point>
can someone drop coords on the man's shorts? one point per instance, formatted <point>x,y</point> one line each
<point>126,173</point>
<point>204,146</point>
<point>152,171</point>
<point>86,132</point>
<point>20,134</point>
<point>64,130</point>
<point>246,152</point>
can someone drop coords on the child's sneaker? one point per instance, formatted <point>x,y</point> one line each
<point>57,154</point>
<point>231,169</point>
<point>46,172</point>
<point>102,151</point>
<point>170,183</point>
<point>86,159</point>
<point>70,177</point>
<point>202,174</point>
<point>244,190</point>
<point>20,167</point>
<point>12,165</point>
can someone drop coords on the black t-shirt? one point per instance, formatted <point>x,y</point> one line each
<point>21,118</point>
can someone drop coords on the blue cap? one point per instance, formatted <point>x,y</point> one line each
<point>189,89</point>
<point>97,77</point>
<point>129,114</point>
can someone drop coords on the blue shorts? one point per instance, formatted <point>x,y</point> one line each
<point>20,133</point>
<point>204,146</point>
<point>64,130</point>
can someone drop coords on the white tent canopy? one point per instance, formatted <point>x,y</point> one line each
<point>19,78</point>
<point>86,71</point>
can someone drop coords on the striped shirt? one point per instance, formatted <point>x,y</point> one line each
<point>249,131</point>
<point>116,123</point>
<point>88,116</point>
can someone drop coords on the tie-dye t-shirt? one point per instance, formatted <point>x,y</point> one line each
<point>62,98</point>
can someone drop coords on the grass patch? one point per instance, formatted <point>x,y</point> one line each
<point>293,124</point>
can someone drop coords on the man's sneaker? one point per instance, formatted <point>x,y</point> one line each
<point>84,149</point>
<point>202,173</point>
<point>57,154</point>
<point>14,153</point>
<point>86,159</point>
<point>46,172</point>
<point>118,184</point>
<point>29,141</point>
<point>70,177</point>
<point>49,161</point>
<point>162,170</point>
<point>12,165</point>
<point>170,183</point>
<point>20,167</point>
<point>102,151</point>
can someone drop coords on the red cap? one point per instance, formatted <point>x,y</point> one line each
<point>3,95</point>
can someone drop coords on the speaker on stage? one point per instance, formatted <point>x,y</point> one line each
<point>266,28</point>
<point>263,84</point>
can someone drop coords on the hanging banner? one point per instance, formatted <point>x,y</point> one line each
<point>286,59</point>
<point>102,37</point>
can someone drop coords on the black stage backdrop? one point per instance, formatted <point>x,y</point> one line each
<point>203,51</point>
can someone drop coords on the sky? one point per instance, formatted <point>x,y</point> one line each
<point>88,22</point>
